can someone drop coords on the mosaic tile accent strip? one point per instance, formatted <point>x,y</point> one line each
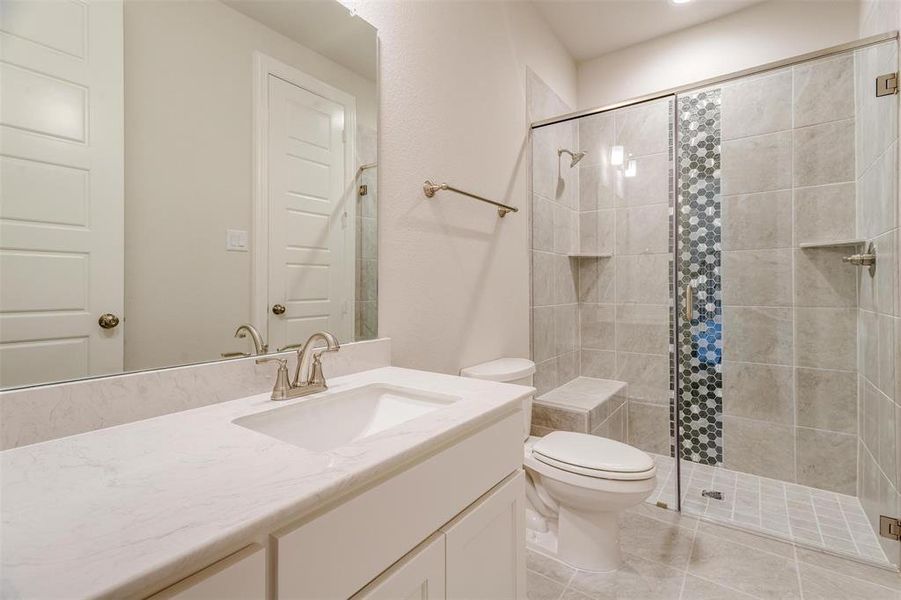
<point>699,340</point>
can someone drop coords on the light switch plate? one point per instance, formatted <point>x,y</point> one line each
<point>236,240</point>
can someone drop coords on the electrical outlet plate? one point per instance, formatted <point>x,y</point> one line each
<point>236,240</point>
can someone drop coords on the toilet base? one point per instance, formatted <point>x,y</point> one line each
<point>587,544</point>
<point>575,517</point>
<point>543,542</point>
<point>589,541</point>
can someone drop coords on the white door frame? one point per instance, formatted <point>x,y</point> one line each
<point>263,67</point>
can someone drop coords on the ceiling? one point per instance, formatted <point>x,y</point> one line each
<point>324,26</point>
<point>589,28</point>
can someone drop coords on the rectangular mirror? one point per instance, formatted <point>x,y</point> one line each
<point>173,171</point>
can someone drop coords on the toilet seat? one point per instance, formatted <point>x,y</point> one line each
<point>592,456</point>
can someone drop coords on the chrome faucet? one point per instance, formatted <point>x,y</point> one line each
<point>258,346</point>
<point>308,379</point>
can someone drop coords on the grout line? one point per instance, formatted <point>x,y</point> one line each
<point>759,482</point>
<point>793,305</point>
<point>684,578</point>
<point>765,364</point>
<point>569,582</point>
<point>816,520</point>
<point>841,509</point>
<point>734,494</point>
<point>798,571</point>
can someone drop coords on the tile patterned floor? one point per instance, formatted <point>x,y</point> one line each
<point>668,556</point>
<point>808,516</point>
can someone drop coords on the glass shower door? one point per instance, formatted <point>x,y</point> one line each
<point>781,176</point>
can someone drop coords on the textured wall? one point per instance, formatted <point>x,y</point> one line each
<point>453,277</point>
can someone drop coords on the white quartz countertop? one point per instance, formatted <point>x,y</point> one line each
<point>120,512</point>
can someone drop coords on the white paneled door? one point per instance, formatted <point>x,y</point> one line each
<point>61,189</point>
<point>311,261</point>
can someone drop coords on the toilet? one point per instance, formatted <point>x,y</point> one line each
<point>577,484</point>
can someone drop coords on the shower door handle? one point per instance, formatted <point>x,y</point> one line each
<point>688,310</point>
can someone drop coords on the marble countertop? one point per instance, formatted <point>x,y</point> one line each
<point>123,511</point>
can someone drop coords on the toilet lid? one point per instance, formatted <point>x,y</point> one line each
<point>589,453</point>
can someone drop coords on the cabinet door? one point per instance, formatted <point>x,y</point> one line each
<point>486,545</point>
<point>241,576</point>
<point>417,576</point>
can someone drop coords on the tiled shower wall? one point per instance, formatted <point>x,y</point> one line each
<point>879,461</point>
<point>555,193</point>
<point>790,314</point>
<point>623,287</point>
<point>600,257</point>
<point>366,230</point>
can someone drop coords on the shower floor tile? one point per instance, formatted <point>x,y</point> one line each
<point>808,516</point>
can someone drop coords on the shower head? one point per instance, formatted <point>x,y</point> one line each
<point>576,156</point>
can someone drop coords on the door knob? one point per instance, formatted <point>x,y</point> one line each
<point>108,320</point>
<point>278,309</point>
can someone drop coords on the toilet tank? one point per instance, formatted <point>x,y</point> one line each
<point>508,370</point>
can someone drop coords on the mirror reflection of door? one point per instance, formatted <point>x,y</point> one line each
<point>310,224</point>
<point>61,190</point>
<point>135,178</point>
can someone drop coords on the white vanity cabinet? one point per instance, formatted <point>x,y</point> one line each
<point>448,524</point>
<point>466,500</point>
<point>480,554</point>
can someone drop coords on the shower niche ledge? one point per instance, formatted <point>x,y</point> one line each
<point>831,244</point>
<point>590,254</point>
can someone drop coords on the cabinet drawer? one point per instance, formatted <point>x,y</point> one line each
<point>336,554</point>
<point>241,576</point>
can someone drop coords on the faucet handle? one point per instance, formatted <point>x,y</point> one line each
<point>317,378</point>
<point>282,386</point>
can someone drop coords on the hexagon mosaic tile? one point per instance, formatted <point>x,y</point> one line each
<point>699,341</point>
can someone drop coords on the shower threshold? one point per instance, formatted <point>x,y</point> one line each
<point>804,515</point>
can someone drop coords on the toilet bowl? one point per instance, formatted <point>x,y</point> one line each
<point>577,484</point>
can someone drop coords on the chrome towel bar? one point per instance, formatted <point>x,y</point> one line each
<point>429,189</point>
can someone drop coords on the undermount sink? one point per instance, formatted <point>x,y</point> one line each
<point>333,420</point>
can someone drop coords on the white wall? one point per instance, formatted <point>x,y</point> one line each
<point>879,16</point>
<point>756,35</point>
<point>188,171</point>
<point>454,279</point>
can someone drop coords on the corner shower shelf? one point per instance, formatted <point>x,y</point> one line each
<point>831,244</point>
<point>588,255</point>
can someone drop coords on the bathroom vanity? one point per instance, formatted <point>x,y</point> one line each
<point>392,483</point>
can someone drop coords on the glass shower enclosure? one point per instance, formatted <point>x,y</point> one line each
<point>732,250</point>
